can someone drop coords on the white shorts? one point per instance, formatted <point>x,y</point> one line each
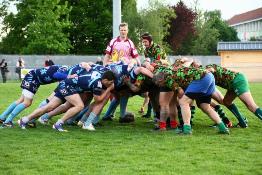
<point>27,94</point>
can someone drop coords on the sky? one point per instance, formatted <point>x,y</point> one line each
<point>228,8</point>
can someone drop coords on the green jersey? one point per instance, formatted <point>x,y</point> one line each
<point>155,52</point>
<point>223,76</point>
<point>183,76</point>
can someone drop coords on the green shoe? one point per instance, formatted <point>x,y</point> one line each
<point>225,131</point>
<point>187,130</point>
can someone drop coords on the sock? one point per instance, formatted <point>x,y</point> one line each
<point>43,103</point>
<point>222,127</point>
<point>45,116</point>
<point>96,120</point>
<point>162,125</point>
<point>149,109</point>
<point>180,116</point>
<point>123,104</point>
<point>233,108</point>
<point>90,119</point>
<point>258,113</point>
<point>193,111</point>
<point>80,115</point>
<point>8,111</point>
<point>222,114</point>
<point>173,124</point>
<point>187,129</point>
<point>19,108</point>
<point>112,107</point>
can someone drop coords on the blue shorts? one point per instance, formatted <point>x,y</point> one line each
<point>30,82</point>
<point>64,90</point>
<point>201,90</point>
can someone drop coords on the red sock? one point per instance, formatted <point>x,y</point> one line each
<point>173,123</point>
<point>162,125</point>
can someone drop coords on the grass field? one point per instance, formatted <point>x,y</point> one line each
<point>133,148</point>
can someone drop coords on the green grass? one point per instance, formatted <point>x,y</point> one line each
<point>129,148</point>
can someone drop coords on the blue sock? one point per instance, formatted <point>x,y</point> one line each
<point>123,104</point>
<point>43,103</point>
<point>19,108</point>
<point>8,111</point>
<point>45,116</point>
<point>90,119</point>
<point>96,120</point>
<point>112,107</point>
<point>81,114</point>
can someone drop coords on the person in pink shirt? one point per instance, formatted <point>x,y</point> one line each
<point>121,48</point>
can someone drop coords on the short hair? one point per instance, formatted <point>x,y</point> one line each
<point>123,24</point>
<point>160,76</point>
<point>109,75</point>
<point>147,36</point>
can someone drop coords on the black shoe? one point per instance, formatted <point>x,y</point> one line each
<point>8,125</point>
<point>107,119</point>
<point>146,116</point>
<point>2,121</point>
<point>31,124</point>
<point>125,120</point>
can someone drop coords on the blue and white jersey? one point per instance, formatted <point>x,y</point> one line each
<point>76,69</point>
<point>90,82</point>
<point>99,68</point>
<point>45,75</point>
<point>121,70</point>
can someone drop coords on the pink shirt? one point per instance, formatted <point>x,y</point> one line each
<point>121,50</point>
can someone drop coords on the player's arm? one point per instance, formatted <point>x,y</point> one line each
<point>99,98</point>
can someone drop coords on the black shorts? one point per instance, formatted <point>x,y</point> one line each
<point>199,97</point>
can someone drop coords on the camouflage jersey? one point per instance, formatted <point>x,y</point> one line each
<point>183,76</point>
<point>223,76</point>
<point>155,52</point>
<point>141,77</point>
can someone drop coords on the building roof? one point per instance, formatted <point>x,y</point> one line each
<point>244,17</point>
<point>249,45</point>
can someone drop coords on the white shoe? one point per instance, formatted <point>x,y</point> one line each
<point>43,121</point>
<point>89,127</point>
<point>80,123</point>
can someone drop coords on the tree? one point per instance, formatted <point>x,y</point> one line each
<point>182,28</point>
<point>155,20</point>
<point>37,28</point>
<point>92,26</point>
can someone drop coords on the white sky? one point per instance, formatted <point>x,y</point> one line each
<point>228,8</point>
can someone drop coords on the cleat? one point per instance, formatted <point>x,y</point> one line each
<point>31,124</point>
<point>213,126</point>
<point>89,127</point>
<point>59,127</point>
<point>2,121</point>
<point>229,124</point>
<point>224,131</point>
<point>108,118</point>
<point>21,124</point>
<point>43,121</point>
<point>80,123</point>
<point>146,116</point>
<point>8,125</point>
<point>241,125</point>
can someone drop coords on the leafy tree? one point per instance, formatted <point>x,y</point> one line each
<point>37,28</point>
<point>155,21</point>
<point>92,26</point>
<point>182,28</point>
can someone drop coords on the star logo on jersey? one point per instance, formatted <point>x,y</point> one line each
<point>43,71</point>
<point>48,79</point>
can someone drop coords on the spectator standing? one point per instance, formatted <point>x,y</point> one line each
<point>4,69</point>
<point>20,64</point>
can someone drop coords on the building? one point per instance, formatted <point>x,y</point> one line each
<point>245,57</point>
<point>248,25</point>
